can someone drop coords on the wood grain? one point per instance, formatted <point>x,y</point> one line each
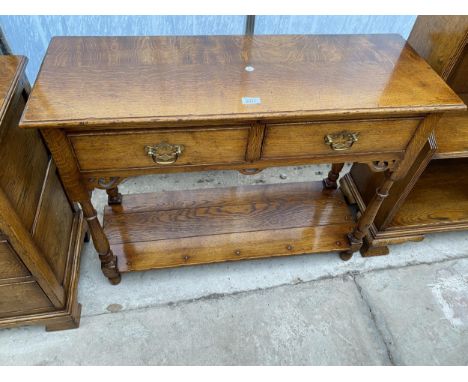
<point>235,215</point>
<point>54,223</point>
<point>96,97</point>
<point>452,133</point>
<point>23,160</point>
<point>12,69</point>
<point>440,40</point>
<point>29,293</point>
<point>141,81</point>
<point>302,140</point>
<point>10,265</point>
<point>191,227</point>
<point>218,197</point>
<point>127,149</point>
<point>231,247</point>
<point>431,199</point>
<point>439,198</point>
<point>38,270</point>
<point>457,79</point>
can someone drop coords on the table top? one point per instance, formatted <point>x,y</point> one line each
<point>105,81</point>
<point>11,69</point>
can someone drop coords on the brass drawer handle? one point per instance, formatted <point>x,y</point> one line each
<point>164,153</point>
<point>341,141</point>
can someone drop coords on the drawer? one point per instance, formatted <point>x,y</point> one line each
<point>309,139</point>
<point>23,298</point>
<point>10,265</point>
<point>123,150</point>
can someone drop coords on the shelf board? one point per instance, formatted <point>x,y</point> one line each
<point>168,229</point>
<point>439,200</point>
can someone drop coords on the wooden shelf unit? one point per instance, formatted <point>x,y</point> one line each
<point>433,197</point>
<point>168,229</point>
<point>438,201</point>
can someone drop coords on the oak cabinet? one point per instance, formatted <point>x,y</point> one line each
<point>41,231</point>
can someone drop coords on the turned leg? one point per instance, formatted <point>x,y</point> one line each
<point>400,169</point>
<point>356,237</point>
<point>108,260</point>
<point>65,160</point>
<point>333,175</point>
<point>114,197</point>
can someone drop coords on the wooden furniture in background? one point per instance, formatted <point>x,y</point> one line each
<point>41,232</point>
<point>433,197</point>
<point>114,107</point>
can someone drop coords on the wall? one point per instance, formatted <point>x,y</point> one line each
<point>30,35</point>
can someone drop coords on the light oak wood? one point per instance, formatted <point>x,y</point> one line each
<point>149,81</point>
<point>62,152</point>
<point>10,265</point>
<point>230,247</point>
<point>29,293</point>
<point>54,239</point>
<point>184,228</point>
<point>41,232</point>
<point>98,99</point>
<point>127,150</point>
<point>235,215</point>
<point>22,155</point>
<point>440,40</point>
<point>458,79</point>
<point>302,140</point>
<point>438,199</point>
<point>452,134</point>
<point>432,196</point>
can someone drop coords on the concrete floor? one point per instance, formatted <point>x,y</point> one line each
<point>409,308</point>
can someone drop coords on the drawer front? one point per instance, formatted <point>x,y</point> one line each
<point>10,265</point>
<point>123,150</point>
<point>452,134</point>
<point>23,298</point>
<point>342,137</point>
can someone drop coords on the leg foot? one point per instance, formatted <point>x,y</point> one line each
<point>368,250</point>
<point>331,181</point>
<point>355,244</point>
<point>115,280</point>
<point>346,255</point>
<point>114,197</point>
<point>70,322</point>
<point>109,268</point>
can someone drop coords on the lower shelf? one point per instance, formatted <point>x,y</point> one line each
<point>176,228</point>
<point>438,201</point>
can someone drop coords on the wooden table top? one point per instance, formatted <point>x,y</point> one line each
<point>11,69</point>
<point>105,81</point>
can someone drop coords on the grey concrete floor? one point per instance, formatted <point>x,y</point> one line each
<point>408,308</point>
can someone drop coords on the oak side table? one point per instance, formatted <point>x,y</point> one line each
<point>114,107</point>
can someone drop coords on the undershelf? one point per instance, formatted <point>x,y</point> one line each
<point>175,228</point>
<point>439,200</point>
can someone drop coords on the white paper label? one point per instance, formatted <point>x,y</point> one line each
<point>251,100</point>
